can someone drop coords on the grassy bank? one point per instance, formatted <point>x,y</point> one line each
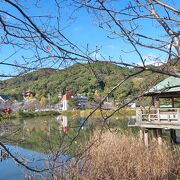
<point>121,156</point>
<point>22,114</point>
<point>98,113</point>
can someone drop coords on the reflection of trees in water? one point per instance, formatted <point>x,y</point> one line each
<point>47,135</point>
<point>7,129</point>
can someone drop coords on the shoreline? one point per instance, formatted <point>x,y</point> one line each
<point>98,113</point>
<point>82,113</point>
<point>21,114</point>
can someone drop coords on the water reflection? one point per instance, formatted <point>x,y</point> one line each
<point>39,143</point>
<point>43,139</point>
<point>63,124</point>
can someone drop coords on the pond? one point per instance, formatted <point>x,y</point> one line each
<point>42,143</point>
<point>34,160</point>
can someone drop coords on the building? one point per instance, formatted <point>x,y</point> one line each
<point>5,102</point>
<point>65,101</point>
<point>157,119</point>
<point>82,101</point>
<point>28,94</point>
<point>3,98</point>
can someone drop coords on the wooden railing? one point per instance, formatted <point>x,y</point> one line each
<point>158,115</point>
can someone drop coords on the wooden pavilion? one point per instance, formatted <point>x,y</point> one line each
<point>161,117</point>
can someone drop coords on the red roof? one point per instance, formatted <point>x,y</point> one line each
<point>67,96</point>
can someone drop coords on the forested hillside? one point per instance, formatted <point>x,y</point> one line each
<point>80,78</point>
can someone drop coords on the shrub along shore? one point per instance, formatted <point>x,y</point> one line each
<point>83,113</point>
<point>98,113</point>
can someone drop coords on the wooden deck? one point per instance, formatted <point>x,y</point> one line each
<point>164,118</point>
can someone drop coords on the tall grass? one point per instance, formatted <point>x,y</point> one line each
<point>116,156</point>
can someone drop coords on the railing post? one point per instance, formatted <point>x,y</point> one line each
<point>138,115</point>
<point>178,115</point>
<point>158,116</point>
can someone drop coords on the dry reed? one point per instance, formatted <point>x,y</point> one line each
<point>121,156</point>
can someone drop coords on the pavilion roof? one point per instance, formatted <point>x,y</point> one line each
<point>169,85</point>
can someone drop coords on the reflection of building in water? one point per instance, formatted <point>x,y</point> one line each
<point>63,124</point>
<point>64,121</point>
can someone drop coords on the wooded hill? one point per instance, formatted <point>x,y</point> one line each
<point>90,80</point>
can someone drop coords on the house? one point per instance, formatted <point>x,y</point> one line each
<point>30,102</point>
<point>5,102</point>
<point>82,101</point>
<point>65,100</point>
<point>3,98</point>
<point>158,119</point>
<point>28,94</point>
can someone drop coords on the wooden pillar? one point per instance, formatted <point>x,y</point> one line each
<point>156,101</point>
<point>173,103</point>
<point>159,136</point>
<point>154,135</point>
<point>141,134</point>
<point>173,135</point>
<point>146,138</point>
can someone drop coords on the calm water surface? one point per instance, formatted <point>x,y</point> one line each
<point>36,142</point>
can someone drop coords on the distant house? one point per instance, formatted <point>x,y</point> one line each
<point>3,98</point>
<point>28,94</point>
<point>30,102</point>
<point>82,101</point>
<point>65,101</point>
<point>5,102</point>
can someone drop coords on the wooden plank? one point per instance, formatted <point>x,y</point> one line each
<point>159,126</point>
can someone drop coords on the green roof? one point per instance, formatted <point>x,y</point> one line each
<point>170,84</point>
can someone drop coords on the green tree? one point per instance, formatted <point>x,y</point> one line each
<point>43,101</point>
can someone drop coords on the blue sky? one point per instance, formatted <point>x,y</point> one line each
<point>82,31</point>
